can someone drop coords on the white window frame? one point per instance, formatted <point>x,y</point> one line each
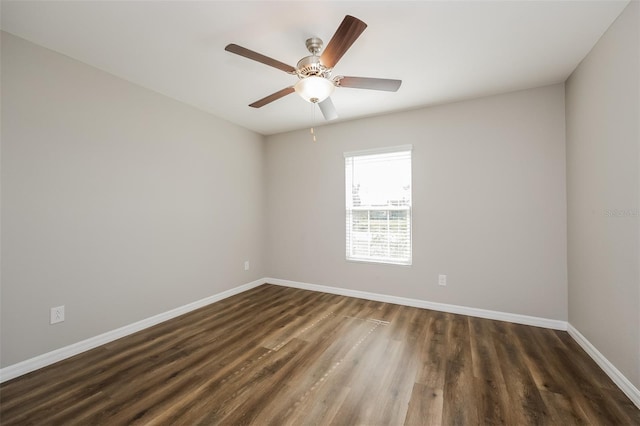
<point>349,209</point>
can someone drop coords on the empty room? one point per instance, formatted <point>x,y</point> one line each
<point>320,212</point>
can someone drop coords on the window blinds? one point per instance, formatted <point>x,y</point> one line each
<point>378,205</point>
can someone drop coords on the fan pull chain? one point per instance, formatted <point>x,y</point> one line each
<point>313,121</point>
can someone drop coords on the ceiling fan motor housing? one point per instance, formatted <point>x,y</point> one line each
<point>311,65</point>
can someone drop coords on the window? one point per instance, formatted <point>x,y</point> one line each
<point>378,205</point>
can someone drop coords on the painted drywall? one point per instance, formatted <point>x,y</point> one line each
<point>489,204</point>
<point>117,202</point>
<point>603,185</point>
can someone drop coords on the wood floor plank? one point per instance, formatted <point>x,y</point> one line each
<point>344,368</point>
<point>321,363</point>
<point>425,406</point>
<point>548,373</point>
<point>434,351</point>
<point>298,370</point>
<point>365,365</point>
<point>601,397</point>
<point>526,401</point>
<point>281,356</point>
<point>494,405</point>
<point>390,364</point>
<point>562,409</point>
<point>460,402</point>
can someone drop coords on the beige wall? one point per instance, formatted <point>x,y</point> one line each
<point>603,184</point>
<point>117,202</point>
<point>489,204</point>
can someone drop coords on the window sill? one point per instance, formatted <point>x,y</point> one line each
<point>379,262</point>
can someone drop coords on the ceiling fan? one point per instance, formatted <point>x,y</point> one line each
<point>315,83</point>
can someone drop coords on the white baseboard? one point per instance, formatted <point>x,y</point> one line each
<point>49,358</point>
<point>618,378</point>
<point>417,303</point>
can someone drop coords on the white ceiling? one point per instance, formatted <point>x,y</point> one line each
<point>442,50</point>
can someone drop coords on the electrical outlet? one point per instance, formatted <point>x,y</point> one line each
<point>442,280</point>
<point>57,314</point>
<point>246,265</point>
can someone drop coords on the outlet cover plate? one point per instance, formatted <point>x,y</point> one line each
<point>57,314</point>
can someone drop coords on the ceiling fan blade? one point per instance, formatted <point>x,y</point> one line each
<point>242,51</point>
<point>328,110</point>
<point>346,34</point>
<point>272,97</point>
<point>369,83</point>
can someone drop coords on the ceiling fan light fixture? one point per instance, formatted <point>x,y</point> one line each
<point>314,89</point>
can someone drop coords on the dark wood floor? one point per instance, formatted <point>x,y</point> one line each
<point>276,355</point>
